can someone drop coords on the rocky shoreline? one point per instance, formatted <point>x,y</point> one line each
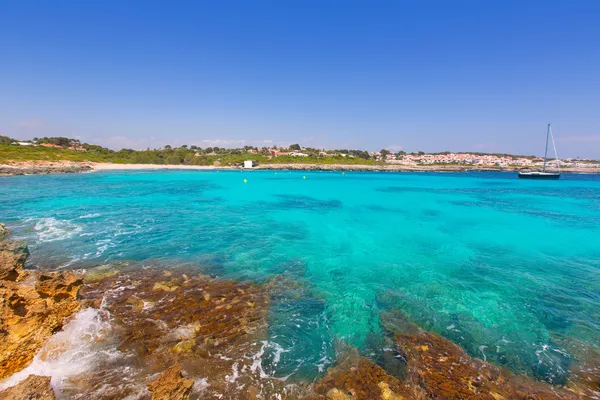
<point>44,168</point>
<point>174,333</point>
<point>63,167</point>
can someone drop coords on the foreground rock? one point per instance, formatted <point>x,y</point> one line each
<point>13,255</point>
<point>359,378</point>
<point>211,328</point>
<point>33,388</point>
<point>33,305</point>
<point>3,231</point>
<point>444,370</point>
<point>433,368</point>
<point>171,385</point>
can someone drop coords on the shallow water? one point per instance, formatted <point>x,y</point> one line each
<point>509,269</point>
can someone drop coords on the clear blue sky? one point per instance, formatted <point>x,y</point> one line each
<point>454,75</point>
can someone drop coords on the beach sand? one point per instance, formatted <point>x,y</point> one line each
<point>52,167</point>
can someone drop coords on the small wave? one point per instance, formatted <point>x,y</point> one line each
<point>70,352</point>
<point>52,229</point>
<point>92,215</point>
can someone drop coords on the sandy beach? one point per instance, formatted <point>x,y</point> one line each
<point>114,167</point>
<point>57,167</point>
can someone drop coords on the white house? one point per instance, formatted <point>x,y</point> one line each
<point>249,164</point>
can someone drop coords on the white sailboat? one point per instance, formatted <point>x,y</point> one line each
<point>543,174</point>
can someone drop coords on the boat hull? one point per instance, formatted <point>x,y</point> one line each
<point>539,175</point>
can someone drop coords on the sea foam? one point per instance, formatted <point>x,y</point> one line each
<point>70,352</point>
<point>52,229</point>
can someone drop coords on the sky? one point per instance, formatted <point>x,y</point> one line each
<point>480,75</point>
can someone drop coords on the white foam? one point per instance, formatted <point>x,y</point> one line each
<point>70,352</point>
<point>482,348</point>
<point>257,360</point>
<point>52,229</point>
<point>234,375</point>
<point>278,351</point>
<point>200,385</point>
<point>92,215</point>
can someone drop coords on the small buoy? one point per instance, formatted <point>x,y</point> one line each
<point>245,180</point>
<point>304,177</point>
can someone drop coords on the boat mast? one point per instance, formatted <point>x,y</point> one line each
<point>546,153</point>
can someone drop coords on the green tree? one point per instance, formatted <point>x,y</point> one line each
<point>5,140</point>
<point>173,159</point>
<point>384,153</point>
<point>295,147</point>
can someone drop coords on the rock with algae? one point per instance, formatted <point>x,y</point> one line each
<point>445,371</point>
<point>33,388</point>
<point>3,231</point>
<point>357,378</point>
<point>211,327</point>
<point>435,369</point>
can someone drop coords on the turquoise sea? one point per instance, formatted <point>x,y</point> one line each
<point>509,269</point>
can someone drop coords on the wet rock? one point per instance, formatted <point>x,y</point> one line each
<point>102,272</point>
<point>444,370</point>
<point>33,306</point>
<point>584,377</point>
<point>337,394</point>
<point>171,385</point>
<point>212,328</point>
<point>4,232</point>
<point>33,388</point>
<point>356,378</point>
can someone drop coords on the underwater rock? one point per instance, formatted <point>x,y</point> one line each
<point>33,388</point>
<point>102,272</point>
<point>356,378</point>
<point>33,305</point>
<point>171,385</point>
<point>584,374</point>
<point>445,371</point>
<point>4,232</point>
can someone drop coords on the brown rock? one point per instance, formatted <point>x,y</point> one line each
<point>13,255</point>
<point>33,388</point>
<point>444,370</point>
<point>358,378</point>
<point>171,385</point>
<point>4,232</point>
<point>208,326</point>
<point>33,306</point>
<point>59,286</point>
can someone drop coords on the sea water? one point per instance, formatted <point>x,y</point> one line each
<point>509,269</point>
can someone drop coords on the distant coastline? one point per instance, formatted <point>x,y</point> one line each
<point>60,167</point>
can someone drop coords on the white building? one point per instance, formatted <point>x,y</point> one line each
<point>249,164</point>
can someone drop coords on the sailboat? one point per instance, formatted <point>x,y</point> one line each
<point>543,174</point>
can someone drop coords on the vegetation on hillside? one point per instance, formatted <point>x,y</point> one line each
<point>62,148</point>
<point>41,150</point>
